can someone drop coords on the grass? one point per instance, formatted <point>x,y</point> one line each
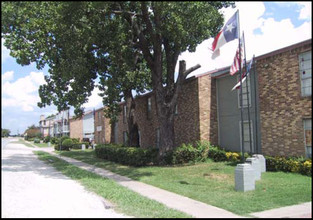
<point>42,144</point>
<point>124,200</point>
<point>213,183</point>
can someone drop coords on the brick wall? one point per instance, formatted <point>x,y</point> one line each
<point>76,128</point>
<point>196,118</point>
<point>101,125</point>
<point>208,109</point>
<point>282,108</point>
<point>187,125</point>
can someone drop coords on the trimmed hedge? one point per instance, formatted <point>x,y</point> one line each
<point>132,156</point>
<point>289,164</point>
<point>187,153</point>
<point>67,144</point>
<point>278,163</point>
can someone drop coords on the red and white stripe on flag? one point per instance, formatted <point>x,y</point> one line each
<point>235,66</point>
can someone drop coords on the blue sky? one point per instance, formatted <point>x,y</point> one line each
<point>267,26</point>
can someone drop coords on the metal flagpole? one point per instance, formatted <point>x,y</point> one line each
<point>255,106</point>
<point>241,109</point>
<point>247,91</point>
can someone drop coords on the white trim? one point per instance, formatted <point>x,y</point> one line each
<point>218,116</point>
<point>252,133</point>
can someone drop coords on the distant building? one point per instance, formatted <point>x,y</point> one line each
<point>88,125</point>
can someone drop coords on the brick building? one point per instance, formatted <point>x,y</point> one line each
<point>102,128</point>
<point>285,93</point>
<point>76,128</point>
<point>279,98</point>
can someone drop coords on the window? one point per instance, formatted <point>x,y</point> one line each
<point>115,132</point>
<point>246,138</point>
<point>157,139</point>
<point>244,92</point>
<point>124,113</point>
<point>149,106</point>
<point>308,137</point>
<point>125,137</point>
<point>139,138</point>
<point>99,117</point>
<point>305,68</point>
<point>176,109</point>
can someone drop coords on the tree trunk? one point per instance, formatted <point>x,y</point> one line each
<point>133,137</point>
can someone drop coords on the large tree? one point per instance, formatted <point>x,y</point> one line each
<point>74,39</point>
<point>5,132</point>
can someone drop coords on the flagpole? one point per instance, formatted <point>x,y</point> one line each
<point>247,91</point>
<point>241,109</point>
<point>255,107</point>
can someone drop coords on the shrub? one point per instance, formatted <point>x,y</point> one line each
<point>75,140</point>
<point>67,144</point>
<point>132,156</point>
<point>47,139</point>
<point>203,148</point>
<point>185,154</point>
<point>77,146</point>
<point>54,140</point>
<point>289,164</point>
<point>36,140</point>
<point>217,154</point>
<point>64,138</point>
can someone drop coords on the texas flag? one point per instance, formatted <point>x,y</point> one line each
<point>228,33</point>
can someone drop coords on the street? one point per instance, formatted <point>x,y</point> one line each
<point>33,189</point>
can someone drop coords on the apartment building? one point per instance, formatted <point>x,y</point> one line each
<point>279,98</point>
<point>46,125</point>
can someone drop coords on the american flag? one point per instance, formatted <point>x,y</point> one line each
<point>235,66</point>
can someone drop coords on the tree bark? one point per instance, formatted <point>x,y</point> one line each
<point>133,137</point>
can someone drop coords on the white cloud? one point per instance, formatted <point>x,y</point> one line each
<point>23,93</point>
<point>274,35</point>
<point>306,10</point>
<point>5,53</point>
<point>7,76</point>
<point>94,101</point>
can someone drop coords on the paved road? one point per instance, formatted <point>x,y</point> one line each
<point>33,189</point>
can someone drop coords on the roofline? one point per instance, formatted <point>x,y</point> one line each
<point>284,49</point>
<point>223,70</point>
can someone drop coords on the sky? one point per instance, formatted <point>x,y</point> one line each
<point>267,26</point>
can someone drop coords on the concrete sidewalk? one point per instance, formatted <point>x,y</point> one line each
<point>295,211</point>
<point>195,208</point>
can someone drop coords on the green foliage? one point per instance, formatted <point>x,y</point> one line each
<point>127,155</point>
<point>47,139</point>
<point>79,41</point>
<point>291,164</point>
<point>67,144</point>
<point>75,140</point>
<point>54,140</point>
<point>5,132</point>
<point>187,153</point>
<point>36,140</point>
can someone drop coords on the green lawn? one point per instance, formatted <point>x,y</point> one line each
<point>42,144</point>
<point>123,199</point>
<point>213,183</point>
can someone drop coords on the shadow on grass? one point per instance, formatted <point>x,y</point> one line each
<point>89,157</point>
